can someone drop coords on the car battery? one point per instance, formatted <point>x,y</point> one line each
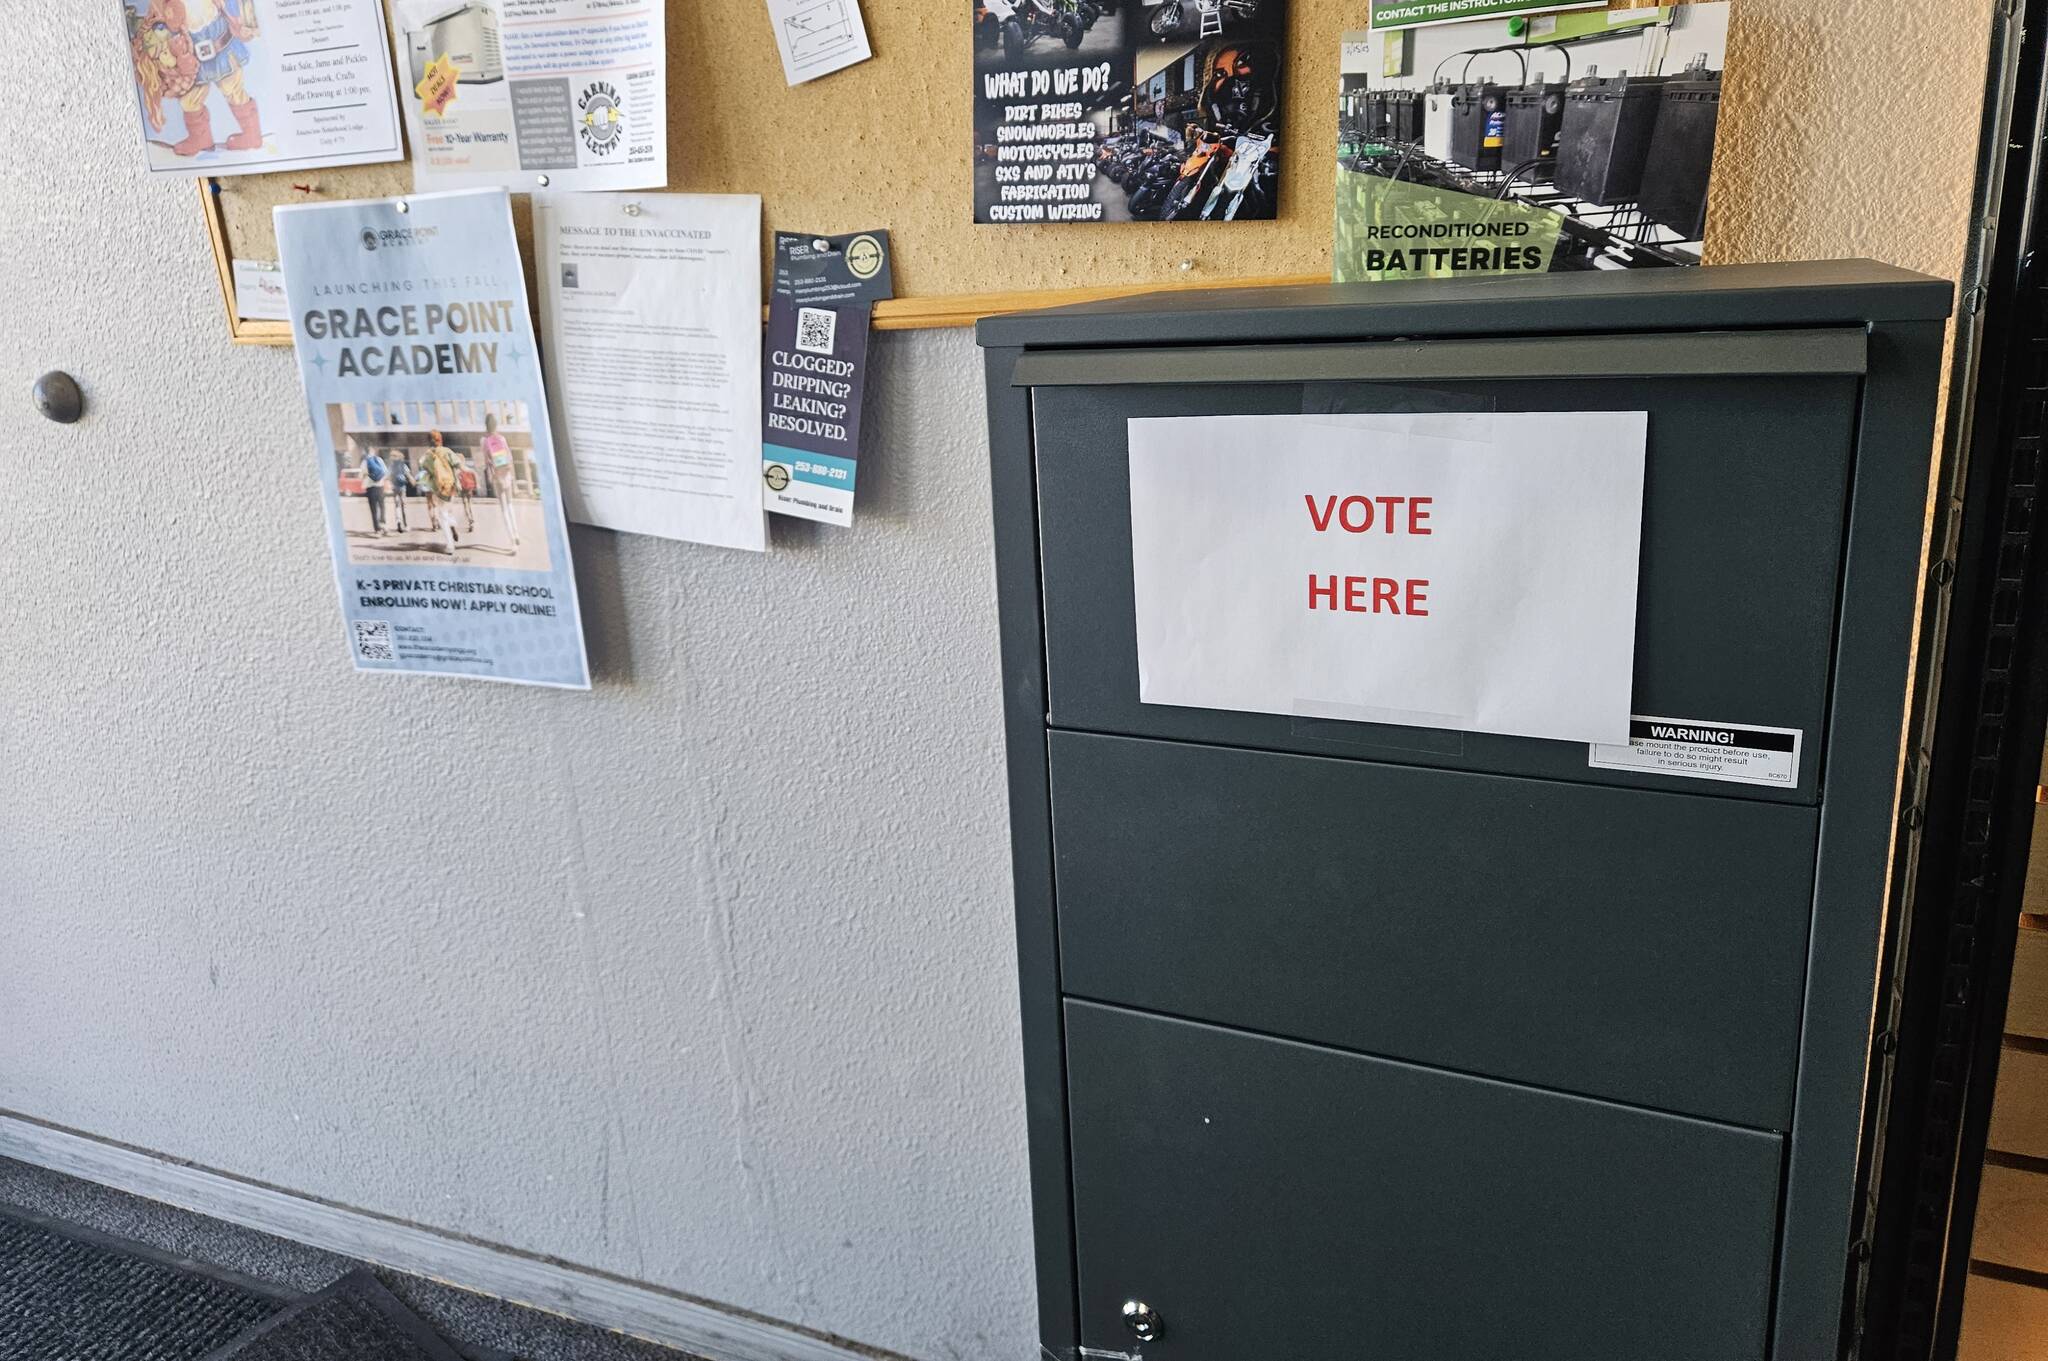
<point>1436,124</point>
<point>1605,137</point>
<point>1476,121</point>
<point>1376,115</point>
<point>1351,104</point>
<point>1534,115</point>
<point>1674,191</point>
<point>1404,111</point>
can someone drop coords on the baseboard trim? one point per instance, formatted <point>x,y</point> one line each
<point>591,1297</point>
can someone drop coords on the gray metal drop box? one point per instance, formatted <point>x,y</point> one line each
<point>1355,1039</point>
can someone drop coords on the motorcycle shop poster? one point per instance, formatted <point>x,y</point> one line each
<point>1127,110</point>
<point>1527,144</point>
<point>434,453</point>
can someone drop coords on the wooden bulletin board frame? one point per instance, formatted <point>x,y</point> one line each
<point>887,143</point>
<point>896,314</point>
<point>243,331</point>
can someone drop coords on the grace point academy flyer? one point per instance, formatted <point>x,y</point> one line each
<point>235,87</point>
<point>1127,110</point>
<point>435,457</point>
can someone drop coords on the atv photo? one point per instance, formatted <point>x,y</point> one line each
<point>1017,24</point>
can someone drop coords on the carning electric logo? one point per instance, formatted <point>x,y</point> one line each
<point>603,123</point>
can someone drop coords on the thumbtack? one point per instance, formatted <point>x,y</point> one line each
<point>633,210</point>
<point>403,206</point>
<point>543,181</point>
<point>1186,265</point>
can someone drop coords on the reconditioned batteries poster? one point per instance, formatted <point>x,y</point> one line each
<point>1127,110</point>
<point>433,452</point>
<point>1529,144</point>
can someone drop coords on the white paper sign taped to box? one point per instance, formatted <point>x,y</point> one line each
<point>1472,571</point>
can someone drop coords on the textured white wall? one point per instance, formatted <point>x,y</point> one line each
<point>704,978</point>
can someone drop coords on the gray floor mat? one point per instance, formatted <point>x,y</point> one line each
<point>72,1295</point>
<point>355,1319</point>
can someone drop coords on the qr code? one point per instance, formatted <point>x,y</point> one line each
<point>373,641</point>
<point>816,328</point>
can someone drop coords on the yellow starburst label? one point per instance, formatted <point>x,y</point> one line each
<point>437,90</point>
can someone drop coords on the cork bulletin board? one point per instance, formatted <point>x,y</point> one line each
<point>888,143</point>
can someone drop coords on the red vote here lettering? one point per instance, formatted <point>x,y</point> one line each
<point>1359,514</point>
<point>1369,595</point>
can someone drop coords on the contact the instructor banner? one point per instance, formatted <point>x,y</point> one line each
<point>435,461</point>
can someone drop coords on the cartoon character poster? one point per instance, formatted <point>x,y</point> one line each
<point>1127,110</point>
<point>232,87</point>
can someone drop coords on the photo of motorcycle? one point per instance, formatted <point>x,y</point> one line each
<point>1198,177</point>
<point>1226,176</point>
<point>1230,171</point>
<point>1150,180</point>
<point>1210,15</point>
<point>1146,164</point>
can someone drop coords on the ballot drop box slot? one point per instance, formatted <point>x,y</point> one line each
<point>1351,1038</point>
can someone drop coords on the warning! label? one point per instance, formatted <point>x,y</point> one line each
<point>1704,751</point>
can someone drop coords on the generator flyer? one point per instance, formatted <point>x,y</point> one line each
<point>231,87</point>
<point>534,94</point>
<point>434,458</point>
<point>1127,110</point>
<point>1527,144</point>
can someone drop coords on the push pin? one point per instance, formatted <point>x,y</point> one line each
<point>403,206</point>
<point>543,181</point>
<point>633,210</point>
<point>1186,265</point>
<point>57,397</point>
